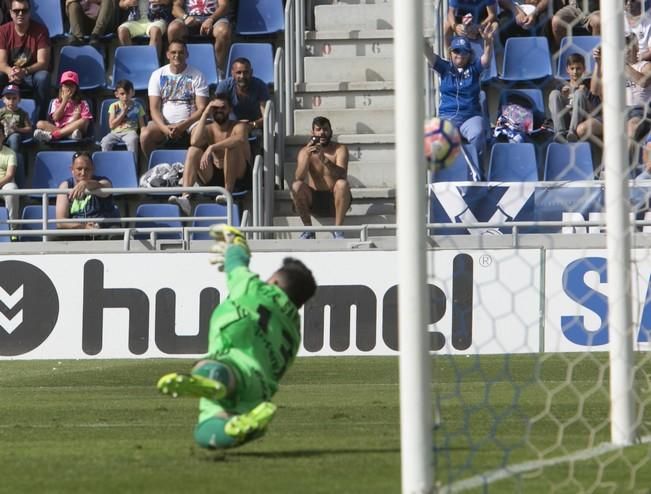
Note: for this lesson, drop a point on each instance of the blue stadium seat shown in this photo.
(136, 63)
(259, 54)
(102, 120)
(155, 211)
(459, 170)
(211, 209)
(51, 168)
(513, 163)
(170, 156)
(49, 13)
(260, 17)
(118, 166)
(577, 44)
(490, 72)
(87, 62)
(535, 95)
(568, 162)
(526, 59)
(203, 55)
(35, 212)
(4, 226)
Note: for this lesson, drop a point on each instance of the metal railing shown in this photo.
(269, 163)
(279, 98)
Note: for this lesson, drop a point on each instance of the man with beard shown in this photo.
(248, 94)
(320, 181)
(219, 153)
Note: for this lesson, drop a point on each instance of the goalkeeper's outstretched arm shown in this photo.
(231, 251)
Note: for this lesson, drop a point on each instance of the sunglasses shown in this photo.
(79, 154)
(20, 11)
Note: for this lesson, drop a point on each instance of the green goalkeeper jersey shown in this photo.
(257, 328)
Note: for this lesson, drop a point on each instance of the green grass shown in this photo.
(101, 427)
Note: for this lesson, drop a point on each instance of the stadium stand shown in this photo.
(4, 226)
(35, 212)
(50, 14)
(156, 212)
(212, 210)
(526, 60)
(259, 54)
(577, 44)
(135, 63)
(170, 156)
(512, 162)
(118, 166)
(460, 170)
(85, 61)
(260, 17)
(51, 168)
(568, 162)
(202, 55)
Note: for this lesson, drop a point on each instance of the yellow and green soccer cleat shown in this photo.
(177, 385)
(251, 424)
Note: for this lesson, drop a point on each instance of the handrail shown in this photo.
(269, 162)
(290, 64)
(257, 190)
(280, 96)
(300, 40)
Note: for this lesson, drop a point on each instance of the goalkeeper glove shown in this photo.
(225, 236)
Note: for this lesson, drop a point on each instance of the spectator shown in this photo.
(219, 153)
(8, 166)
(94, 17)
(178, 94)
(638, 21)
(16, 125)
(211, 18)
(125, 118)
(80, 202)
(570, 18)
(460, 87)
(25, 54)
(70, 115)
(320, 181)
(523, 18)
(145, 18)
(571, 103)
(467, 18)
(248, 94)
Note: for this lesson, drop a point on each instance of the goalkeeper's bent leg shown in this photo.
(210, 434)
(217, 371)
(220, 432)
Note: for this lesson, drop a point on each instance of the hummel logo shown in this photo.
(9, 324)
(29, 307)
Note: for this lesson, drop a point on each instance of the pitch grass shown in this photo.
(101, 427)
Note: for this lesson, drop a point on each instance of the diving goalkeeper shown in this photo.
(254, 337)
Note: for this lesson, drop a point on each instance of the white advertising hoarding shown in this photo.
(137, 305)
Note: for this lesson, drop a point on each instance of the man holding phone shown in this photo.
(320, 181)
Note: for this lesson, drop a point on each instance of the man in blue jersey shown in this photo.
(254, 337)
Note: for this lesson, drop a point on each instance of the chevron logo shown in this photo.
(29, 307)
(10, 300)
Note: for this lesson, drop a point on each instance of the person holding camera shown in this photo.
(219, 153)
(321, 178)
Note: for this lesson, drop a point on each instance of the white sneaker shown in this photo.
(41, 135)
(182, 202)
(77, 135)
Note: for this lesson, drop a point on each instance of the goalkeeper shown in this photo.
(254, 337)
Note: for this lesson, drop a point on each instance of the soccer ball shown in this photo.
(442, 143)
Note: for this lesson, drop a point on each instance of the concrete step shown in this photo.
(374, 43)
(345, 99)
(360, 174)
(366, 148)
(353, 2)
(365, 201)
(349, 121)
(295, 221)
(330, 69)
(363, 16)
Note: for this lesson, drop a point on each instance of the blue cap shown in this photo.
(461, 44)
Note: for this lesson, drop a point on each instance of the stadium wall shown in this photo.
(142, 305)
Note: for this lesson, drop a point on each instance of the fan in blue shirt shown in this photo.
(460, 87)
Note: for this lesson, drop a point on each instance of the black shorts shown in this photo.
(241, 184)
(323, 202)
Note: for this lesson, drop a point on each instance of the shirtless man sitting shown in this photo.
(219, 153)
(320, 181)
